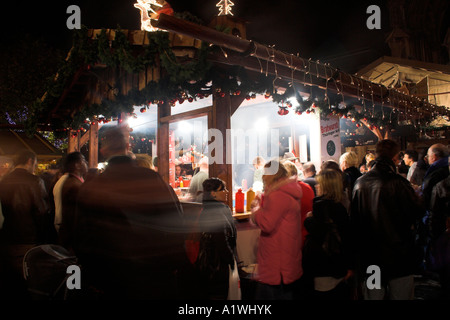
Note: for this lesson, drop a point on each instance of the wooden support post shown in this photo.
(221, 120)
(93, 145)
(73, 144)
(163, 141)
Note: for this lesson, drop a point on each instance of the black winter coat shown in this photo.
(25, 206)
(440, 208)
(324, 254)
(129, 233)
(216, 220)
(383, 218)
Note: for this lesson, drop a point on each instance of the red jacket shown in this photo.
(307, 205)
(280, 244)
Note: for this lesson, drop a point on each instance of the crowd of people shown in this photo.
(323, 231)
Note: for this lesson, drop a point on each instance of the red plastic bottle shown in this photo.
(239, 201)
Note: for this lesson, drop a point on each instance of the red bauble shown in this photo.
(283, 111)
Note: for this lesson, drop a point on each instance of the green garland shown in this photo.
(190, 81)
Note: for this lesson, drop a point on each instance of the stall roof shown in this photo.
(390, 71)
(12, 141)
(86, 87)
(376, 69)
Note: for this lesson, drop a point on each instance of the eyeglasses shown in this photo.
(223, 190)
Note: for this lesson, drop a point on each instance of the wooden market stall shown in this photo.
(128, 70)
(13, 140)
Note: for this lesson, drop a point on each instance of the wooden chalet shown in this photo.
(94, 83)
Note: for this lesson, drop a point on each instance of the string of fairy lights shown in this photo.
(375, 105)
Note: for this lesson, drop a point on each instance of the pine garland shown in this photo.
(190, 81)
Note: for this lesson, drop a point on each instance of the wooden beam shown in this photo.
(294, 63)
(73, 142)
(308, 79)
(93, 145)
(186, 115)
(162, 141)
(84, 138)
(221, 120)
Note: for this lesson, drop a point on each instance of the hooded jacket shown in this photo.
(383, 217)
(280, 243)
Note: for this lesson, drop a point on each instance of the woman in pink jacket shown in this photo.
(277, 214)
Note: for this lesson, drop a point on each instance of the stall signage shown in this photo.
(330, 138)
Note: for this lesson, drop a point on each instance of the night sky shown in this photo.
(333, 32)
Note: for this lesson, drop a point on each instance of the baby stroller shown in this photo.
(45, 271)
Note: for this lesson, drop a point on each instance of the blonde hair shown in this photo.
(331, 184)
(259, 161)
(144, 161)
(370, 157)
(291, 168)
(350, 158)
(281, 171)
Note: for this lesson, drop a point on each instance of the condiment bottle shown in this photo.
(239, 201)
(250, 198)
(181, 182)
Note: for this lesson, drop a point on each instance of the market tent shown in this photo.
(12, 141)
(423, 79)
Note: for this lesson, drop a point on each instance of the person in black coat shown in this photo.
(327, 260)
(218, 240)
(438, 170)
(440, 253)
(27, 222)
(349, 165)
(384, 212)
(433, 223)
(129, 233)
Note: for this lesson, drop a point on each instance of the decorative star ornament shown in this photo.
(145, 6)
(225, 7)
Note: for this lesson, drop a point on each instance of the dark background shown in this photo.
(329, 31)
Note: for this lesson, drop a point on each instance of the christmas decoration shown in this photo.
(189, 81)
(145, 6)
(225, 7)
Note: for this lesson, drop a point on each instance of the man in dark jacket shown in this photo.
(27, 223)
(129, 235)
(437, 156)
(434, 220)
(383, 215)
(65, 194)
